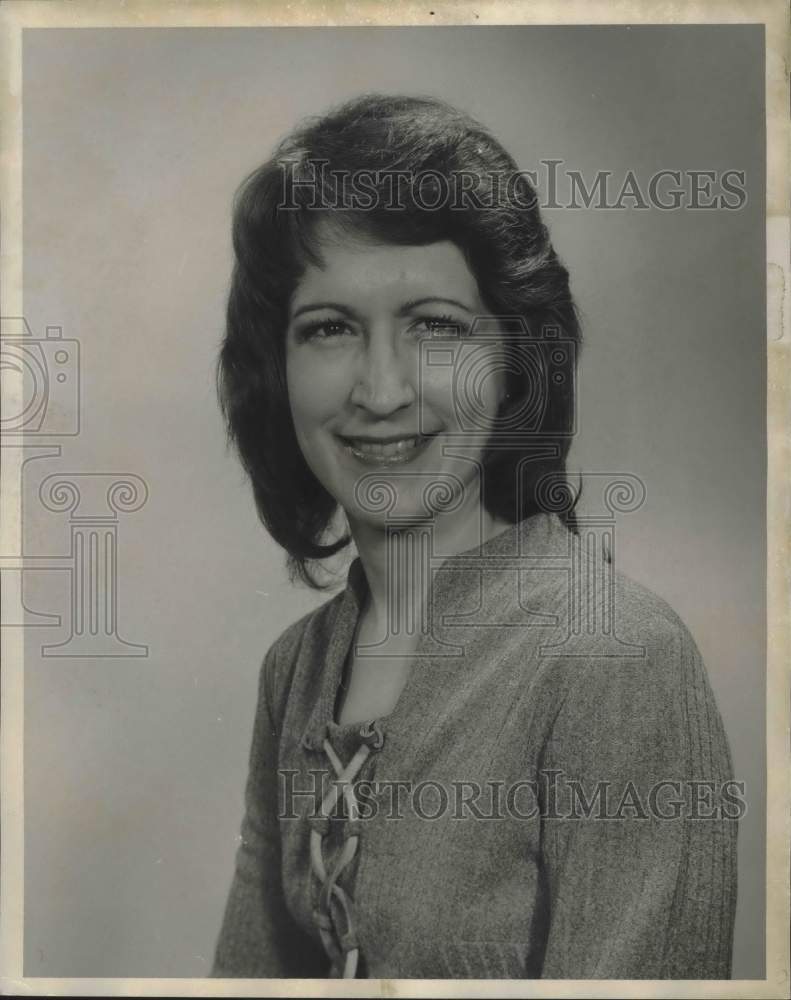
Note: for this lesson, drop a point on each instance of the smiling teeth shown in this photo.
(385, 449)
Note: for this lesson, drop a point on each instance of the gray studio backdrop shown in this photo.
(134, 140)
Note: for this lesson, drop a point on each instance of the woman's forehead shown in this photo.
(367, 269)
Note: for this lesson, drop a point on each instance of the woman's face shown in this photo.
(376, 398)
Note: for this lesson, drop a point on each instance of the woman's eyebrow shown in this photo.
(415, 303)
(311, 306)
(407, 307)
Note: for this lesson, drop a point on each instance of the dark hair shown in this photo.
(504, 241)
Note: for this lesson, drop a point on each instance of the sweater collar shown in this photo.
(454, 578)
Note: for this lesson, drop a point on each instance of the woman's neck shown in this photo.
(397, 568)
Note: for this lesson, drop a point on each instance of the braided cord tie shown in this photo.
(342, 946)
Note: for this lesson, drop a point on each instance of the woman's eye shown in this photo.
(439, 326)
(326, 330)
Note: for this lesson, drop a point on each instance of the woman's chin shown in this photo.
(383, 501)
(405, 513)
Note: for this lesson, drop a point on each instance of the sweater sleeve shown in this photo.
(638, 836)
(258, 937)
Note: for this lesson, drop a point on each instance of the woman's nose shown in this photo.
(383, 380)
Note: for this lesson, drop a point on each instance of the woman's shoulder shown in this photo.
(316, 623)
(644, 616)
(636, 639)
(602, 599)
(643, 690)
(312, 631)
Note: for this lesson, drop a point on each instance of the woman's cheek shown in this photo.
(436, 399)
(315, 392)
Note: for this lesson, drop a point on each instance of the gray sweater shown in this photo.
(550, 797)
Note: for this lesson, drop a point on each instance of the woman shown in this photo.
(480, 759)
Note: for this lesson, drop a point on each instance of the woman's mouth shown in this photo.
(393, 451)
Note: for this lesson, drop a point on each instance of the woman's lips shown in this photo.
(386, 453)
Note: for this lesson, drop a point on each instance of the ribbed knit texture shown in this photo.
(626, 701)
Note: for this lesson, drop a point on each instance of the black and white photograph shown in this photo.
(395, 500)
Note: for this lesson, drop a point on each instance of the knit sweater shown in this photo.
(550, 798)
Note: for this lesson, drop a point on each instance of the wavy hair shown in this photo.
(505, 243)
